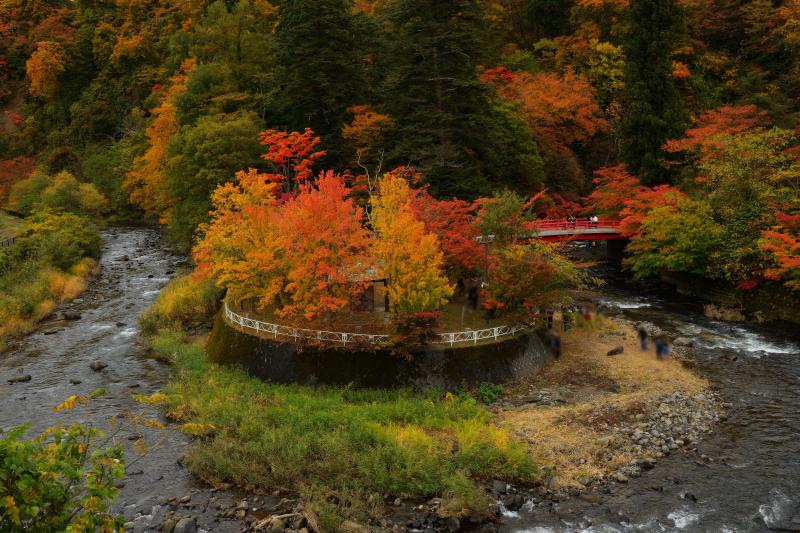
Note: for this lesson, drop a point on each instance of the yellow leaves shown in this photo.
(411, 259)
(141, 447)
(153, 423)
(70, 403)
(153, 399)
(197, 429)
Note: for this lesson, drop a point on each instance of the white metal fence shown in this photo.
(337, 337)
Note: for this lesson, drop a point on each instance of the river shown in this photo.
(135, 266)
(751, 483)
(751, 479)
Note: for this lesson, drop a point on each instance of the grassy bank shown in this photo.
(344, 451)
(45, 268)
(341, 449)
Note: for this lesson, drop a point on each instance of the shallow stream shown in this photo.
(751, 481)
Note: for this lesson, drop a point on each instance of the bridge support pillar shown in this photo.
(615, 250)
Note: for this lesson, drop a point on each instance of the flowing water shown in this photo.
(135, 266)
(752, 480)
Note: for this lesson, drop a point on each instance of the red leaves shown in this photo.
(711, 127)
(13, 170)
(782, 242)
(293, 153)
(619, 194)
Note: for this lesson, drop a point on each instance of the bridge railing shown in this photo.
(342, 338)
(578, 224)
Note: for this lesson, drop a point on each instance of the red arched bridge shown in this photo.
(582, 229)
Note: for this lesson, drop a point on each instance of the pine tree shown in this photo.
(654, 110)
(450, 124)
(321, 69)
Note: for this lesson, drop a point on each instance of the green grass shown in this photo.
(341, 449)
(184, 303)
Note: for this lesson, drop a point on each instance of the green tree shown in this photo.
(654, 110)
(449, 124)
(681, 236)
(320, 67)
(204, 156)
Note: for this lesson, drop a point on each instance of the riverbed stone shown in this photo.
(98, 365)
(24, 378)
(186, 525)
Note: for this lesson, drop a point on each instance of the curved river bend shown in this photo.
(752, 481)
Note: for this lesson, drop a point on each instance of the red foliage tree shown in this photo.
(294, 154)
(710, 127)
(782, 242)
(453, 222)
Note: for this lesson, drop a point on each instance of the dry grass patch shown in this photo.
(577, 438)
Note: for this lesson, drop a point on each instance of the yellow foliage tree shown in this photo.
(44, 67)
(410, 258)
(147, 181)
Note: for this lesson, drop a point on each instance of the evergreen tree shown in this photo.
(321, 68)
(446, 117)
(654, 110)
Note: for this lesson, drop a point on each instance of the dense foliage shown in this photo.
(158, 103)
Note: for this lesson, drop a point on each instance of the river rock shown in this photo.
(97, 366)
(499, 486)
(74, 381)
(616, 351)
(21, 379)
(683, 342)
(70, 315)
(186, 525)
(453, 524)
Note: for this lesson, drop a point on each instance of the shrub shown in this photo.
(490, 392)
(61, 192)
(184, 303)
(60, 480)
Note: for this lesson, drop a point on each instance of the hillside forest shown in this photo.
(679, 117)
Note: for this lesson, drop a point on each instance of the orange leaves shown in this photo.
(560, 110)
(325, 248)
(711, 126)
(306, 256)
(147, 181)
(367, 132)
(619, 194)
(44, 67)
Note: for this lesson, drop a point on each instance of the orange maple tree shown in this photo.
(44, 67)
(305, 257)
(620, 195)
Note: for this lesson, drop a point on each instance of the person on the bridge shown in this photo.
(549, 312)
(566, 318)
(643, 338)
